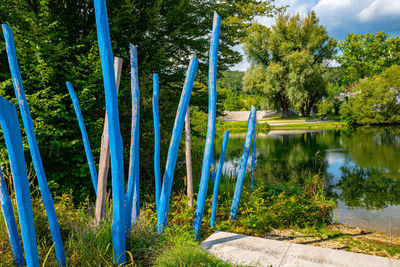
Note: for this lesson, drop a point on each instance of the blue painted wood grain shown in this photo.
(157, 139)
(12, 135)
(11, 225)
(114, 132)
(162, 212)
(85, 138)
(218, 178)
(253, 158)
(212, 111)
(132, 194)
(243, 163)
(33, 146)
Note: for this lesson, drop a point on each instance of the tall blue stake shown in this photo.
(253, 159)
(212, 111)
(157, 139)
(162, 212)
(132, 194)
(12, 135)
(117, 161)
(85, 138)
(33, 146)
(243, 162)
(218, 178)
(8, 214)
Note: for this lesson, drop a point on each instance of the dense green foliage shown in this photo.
(287, 62)
(231, 96)
(232, 80)
(374, 100)
(56, 41)
(365, 55)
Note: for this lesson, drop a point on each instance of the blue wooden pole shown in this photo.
(162, 212)
(117, 161)
(12, 135)
(212, 165)
(212, 111)
(132, 194)
(243, 163)
(11, 225)
(85, 138)
(218, 178)
(253, 159)
(157, 139)
(33, 146)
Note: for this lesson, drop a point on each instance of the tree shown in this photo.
(374, 100)
(56, 42)
(288, 62)
(365, 55)
(232, 80)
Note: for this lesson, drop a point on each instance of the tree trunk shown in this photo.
(303, 113)
(188, 144)
(308, 110)
(285, 108)
(309, 106)
(104, 163)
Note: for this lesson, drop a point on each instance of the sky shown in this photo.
(341, 17)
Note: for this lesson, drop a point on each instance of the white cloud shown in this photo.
(338, 15)
(334, 4)
(380, 9)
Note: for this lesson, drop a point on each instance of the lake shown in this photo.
(362, 166)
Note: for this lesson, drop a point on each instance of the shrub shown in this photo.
(374, 100)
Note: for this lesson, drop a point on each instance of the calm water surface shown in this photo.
(362, 166)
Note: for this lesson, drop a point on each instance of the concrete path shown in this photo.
(255, 251)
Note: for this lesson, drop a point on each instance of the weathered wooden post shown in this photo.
(12, 135)
(85, 138)
(212, 110)
(104, 163)
(157, 140)
(243, 163)
(188, 154)
(218, 178)
(162, 212)
(253, 159)
(114, 133)
(132, 194)
(33, 146)
(11, 225)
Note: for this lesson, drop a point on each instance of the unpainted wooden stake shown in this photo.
(188, 146)
(104, 163)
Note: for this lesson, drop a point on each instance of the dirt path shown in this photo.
(291, 122)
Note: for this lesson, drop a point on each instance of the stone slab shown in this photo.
(255, 251)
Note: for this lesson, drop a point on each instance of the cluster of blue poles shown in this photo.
(126, 205)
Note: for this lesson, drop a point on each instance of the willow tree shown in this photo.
(288, 62)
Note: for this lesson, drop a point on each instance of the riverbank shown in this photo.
(281, 125)
(342, 237)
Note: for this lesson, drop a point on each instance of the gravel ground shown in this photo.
(343, 237)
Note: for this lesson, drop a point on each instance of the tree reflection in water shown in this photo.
(369, 177)
(369, 188)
